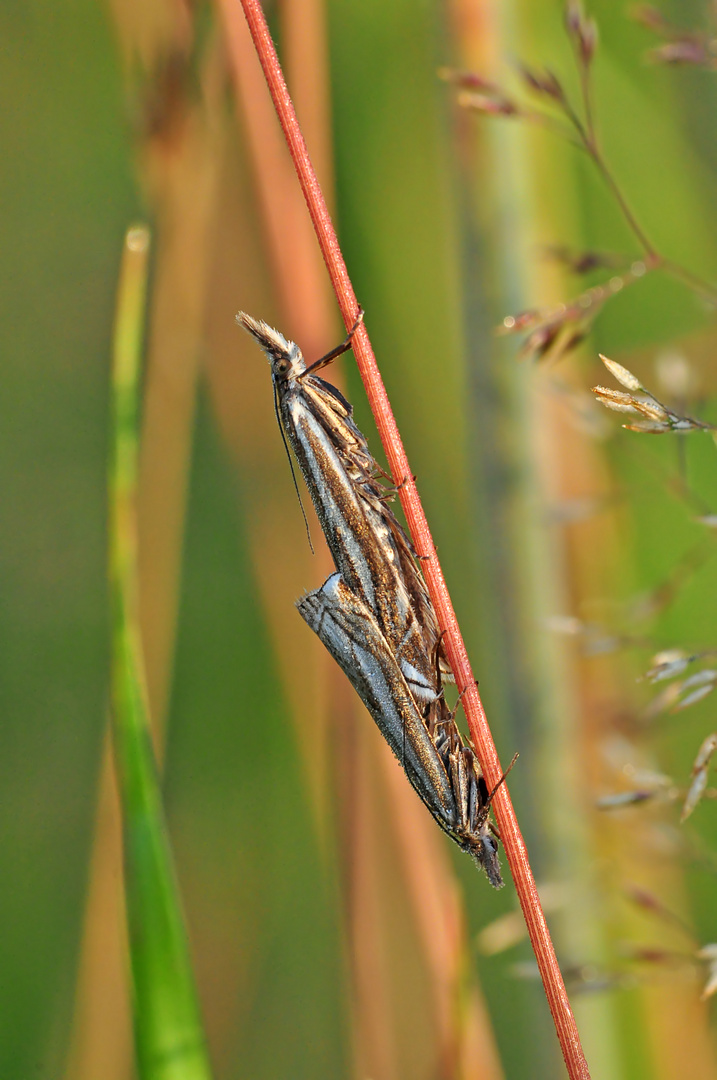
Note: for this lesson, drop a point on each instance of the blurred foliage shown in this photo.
(444, 218)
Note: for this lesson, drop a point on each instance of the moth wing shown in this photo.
(350, 632)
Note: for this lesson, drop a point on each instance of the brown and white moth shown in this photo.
(368, 545)
(442, 769)
(375, 615)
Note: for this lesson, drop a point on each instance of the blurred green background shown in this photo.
(328, 939)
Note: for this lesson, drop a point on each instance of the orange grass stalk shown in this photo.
(513, 842)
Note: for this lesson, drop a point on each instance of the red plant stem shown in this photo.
(511, 836)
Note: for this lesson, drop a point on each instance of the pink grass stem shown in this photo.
(515, 849)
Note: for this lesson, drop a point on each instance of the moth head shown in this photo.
(284, 356)
(484, 849)
(483, 844)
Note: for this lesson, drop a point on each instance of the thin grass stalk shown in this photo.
(101, 1034)
(377, 1050)
(513, 842)
(294, 258)
(551, 464)
(169, 1036)
(306, 58)
(184, 199)
(462, 1020)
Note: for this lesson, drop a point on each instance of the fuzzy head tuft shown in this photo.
(284, 356)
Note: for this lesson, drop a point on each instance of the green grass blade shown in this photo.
(168, 1031)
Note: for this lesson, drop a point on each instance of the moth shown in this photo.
(375, 616)
(442, 769)
(368, 545)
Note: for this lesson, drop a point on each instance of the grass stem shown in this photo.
(168, 1031)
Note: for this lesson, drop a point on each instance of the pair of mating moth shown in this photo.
(374, 614)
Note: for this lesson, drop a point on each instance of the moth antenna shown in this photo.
(403, 746)
(291, 466)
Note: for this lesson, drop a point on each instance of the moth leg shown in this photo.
(338, 351)
(405, 480)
